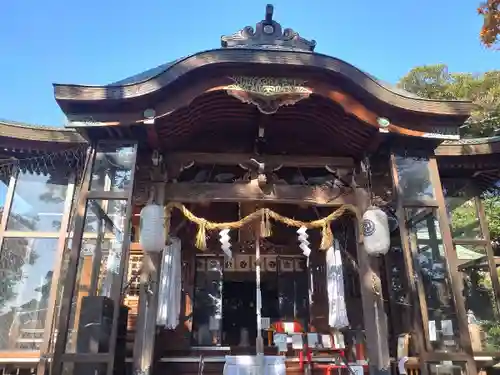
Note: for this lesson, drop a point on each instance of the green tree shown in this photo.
(436, 82)
(491, 202)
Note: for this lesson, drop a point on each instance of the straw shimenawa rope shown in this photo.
(264, 214)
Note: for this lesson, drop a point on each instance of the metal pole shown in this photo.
(148, 304)
(259, 342)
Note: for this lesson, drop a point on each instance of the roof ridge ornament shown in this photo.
(267, 34)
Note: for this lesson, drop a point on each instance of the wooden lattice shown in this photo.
(133, 275)
(132, 294)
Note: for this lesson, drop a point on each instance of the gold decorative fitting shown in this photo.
(268, 94)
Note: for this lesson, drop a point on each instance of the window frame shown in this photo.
(60, 236)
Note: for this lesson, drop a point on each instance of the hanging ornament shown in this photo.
(265, 224)
(225, 242)
(304, 243)
(337, 310)
(376, 235)
(170, 285)
(152, 228)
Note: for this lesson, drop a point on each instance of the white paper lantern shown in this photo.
(152, 228)
(377, 238)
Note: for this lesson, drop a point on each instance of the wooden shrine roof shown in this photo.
(12, 130)
(195, 107)
(470, 146)
(165, 79)
(20, 140)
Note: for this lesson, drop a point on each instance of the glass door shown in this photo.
(207, 309)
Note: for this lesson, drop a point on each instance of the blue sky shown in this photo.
(98, 42)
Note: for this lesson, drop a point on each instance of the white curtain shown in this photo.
(169, 293)
(337, 312)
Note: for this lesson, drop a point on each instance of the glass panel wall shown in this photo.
(38, 202)
(427, 241)
(473, 264)
(90, 309)
(414, 177)
(113, 167)
(28, 256)
(428, 251)
(462, 210)
(398, 301)
(98, 270)
(207, 309)
(26, 268)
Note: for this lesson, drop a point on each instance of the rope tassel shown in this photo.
(201, 236)
(265, 224)
(265, 215)
(326, 237)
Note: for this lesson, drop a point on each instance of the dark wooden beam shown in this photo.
(375, 142)
(251, 192)
(152, 136)
(235, 159)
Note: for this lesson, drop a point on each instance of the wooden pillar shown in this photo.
(9, 197)
(483, 221)
(375, 318)
(69, 282)
(145, 328)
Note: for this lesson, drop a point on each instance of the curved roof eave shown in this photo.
(161, 78)
(25, 132)
(469, 147)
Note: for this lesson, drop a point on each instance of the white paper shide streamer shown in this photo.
(303, 242)
(152, 229)
(304, 245)
(225, 243)
(337, 312)
(377, 237)
(169, 293)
